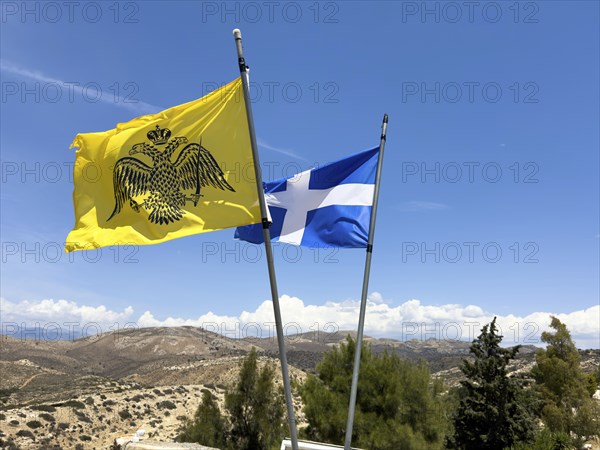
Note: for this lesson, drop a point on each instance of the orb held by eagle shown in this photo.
(164, 180)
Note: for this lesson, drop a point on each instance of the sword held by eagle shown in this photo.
(164, 180)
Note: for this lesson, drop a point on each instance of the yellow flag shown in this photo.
(186, 170)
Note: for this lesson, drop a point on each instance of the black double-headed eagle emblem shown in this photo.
(164, 181)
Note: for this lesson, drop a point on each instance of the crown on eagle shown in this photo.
(159, 136)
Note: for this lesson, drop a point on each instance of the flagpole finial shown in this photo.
(237, 35)
(385, 118)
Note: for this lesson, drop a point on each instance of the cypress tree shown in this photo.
(489, 416)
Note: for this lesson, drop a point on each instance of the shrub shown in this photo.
(74, 404)
(46, 408)
(7, 392)
(34, 424)
(167, 404)
(9, 444)
(124, 414)
(25, 433)
(82, 417)
(47, 417)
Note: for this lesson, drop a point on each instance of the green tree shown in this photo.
(254, 418)
(489, 414)
(398, 406)
(546, 440)
(208, 426)
(256, 408)
(564, 388)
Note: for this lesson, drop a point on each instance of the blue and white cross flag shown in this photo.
(328, 206)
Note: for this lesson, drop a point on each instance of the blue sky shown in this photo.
(492, 146)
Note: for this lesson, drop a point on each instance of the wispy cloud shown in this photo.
(416, 205)
(283, 151)
(409, 320)
(136, 106)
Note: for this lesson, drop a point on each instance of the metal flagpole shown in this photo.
(365, 288)
(237, 34)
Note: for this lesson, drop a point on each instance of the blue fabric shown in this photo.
(331, 226)
(359, 168)
(337, 226)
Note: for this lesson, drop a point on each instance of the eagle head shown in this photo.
(141, 148)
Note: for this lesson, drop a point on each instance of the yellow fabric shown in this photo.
(217, 121)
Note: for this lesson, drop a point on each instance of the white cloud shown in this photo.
(376, 297)
(51, 310)
(59, 319)
(409, 320)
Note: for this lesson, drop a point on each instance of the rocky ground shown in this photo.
(86, 393)
(105, 410)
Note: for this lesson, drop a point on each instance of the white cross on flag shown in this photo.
(329, 206)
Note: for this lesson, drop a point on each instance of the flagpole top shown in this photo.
(237, 33)
(385, 118)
